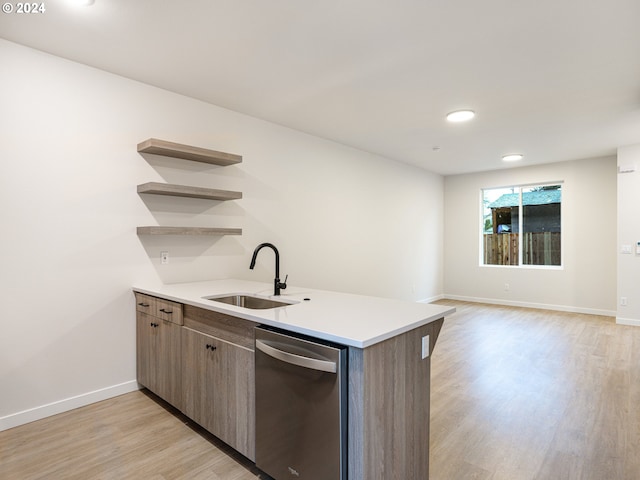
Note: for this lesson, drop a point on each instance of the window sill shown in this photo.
(525, 267)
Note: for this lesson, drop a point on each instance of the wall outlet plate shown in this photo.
(425, 346)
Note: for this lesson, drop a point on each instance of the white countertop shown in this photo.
(353, 320)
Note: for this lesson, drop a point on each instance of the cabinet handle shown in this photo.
(211, 347)
(169, 312)
(142, 304)
(153, 324)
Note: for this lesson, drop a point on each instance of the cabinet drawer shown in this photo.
(145, 304)
(160, 308)
(169, 311)
(230, 329)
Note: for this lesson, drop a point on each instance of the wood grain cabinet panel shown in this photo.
(206, 368)
(218, 388)
(389, 390)
(225, 327)
(145, 304)
(158, 352)
(160, 308)
(169, 311)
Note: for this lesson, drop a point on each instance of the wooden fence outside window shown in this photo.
(538, 248)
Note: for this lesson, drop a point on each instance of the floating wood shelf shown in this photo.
(188, 191)
(197, 154)
(159, 230)
(187, 152)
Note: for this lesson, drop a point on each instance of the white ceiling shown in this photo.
(553, 79)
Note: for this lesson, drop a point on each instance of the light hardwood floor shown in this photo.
(523, 394)
(131, 437)
(516, 394)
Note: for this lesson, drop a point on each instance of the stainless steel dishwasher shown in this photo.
(301, 407)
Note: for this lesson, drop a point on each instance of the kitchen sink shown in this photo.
(248, 301)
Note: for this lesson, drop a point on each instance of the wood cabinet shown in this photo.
(218, 388)
(158, 353)
(201, 362)
(389, 394)
(158, 346)
(218, 373)
(160, 308)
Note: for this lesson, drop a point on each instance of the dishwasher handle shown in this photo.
(299, 360)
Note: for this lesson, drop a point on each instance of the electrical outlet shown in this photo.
(425, 346)
(164, 258)
(623, 301)
(506, 287)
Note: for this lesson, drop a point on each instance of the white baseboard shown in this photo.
(541, 306)
(37, 413)
(634, 322)
(431, 299)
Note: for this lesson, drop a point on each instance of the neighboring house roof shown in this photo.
(542, 197)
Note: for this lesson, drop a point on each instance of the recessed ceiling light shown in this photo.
(513, 157)
(461, 115)
(83, 3)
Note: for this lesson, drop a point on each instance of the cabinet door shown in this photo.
(145, 350)
(197, 377)
(158, 357)
(234, 412)
(168, 362)
(218, 388)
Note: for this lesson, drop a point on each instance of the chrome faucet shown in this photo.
(277, 284)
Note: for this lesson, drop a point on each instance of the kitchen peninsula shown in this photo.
(389, 345)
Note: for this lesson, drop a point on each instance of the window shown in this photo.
(532, 210)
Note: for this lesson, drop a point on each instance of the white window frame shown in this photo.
(520, 220)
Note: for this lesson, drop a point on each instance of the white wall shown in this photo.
(629, 234)
(343, 220)
(586, 283)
